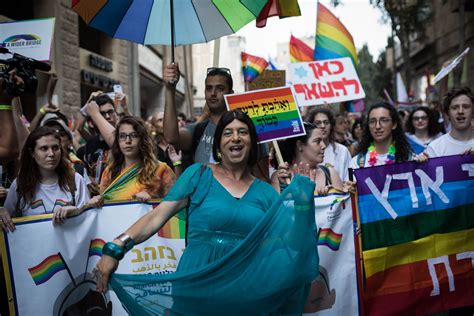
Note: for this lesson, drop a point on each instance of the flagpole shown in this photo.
(87, 263)
(67, 269)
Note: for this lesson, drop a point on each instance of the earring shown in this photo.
(219, 156)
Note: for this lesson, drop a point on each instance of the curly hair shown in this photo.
(453, 93)
(403, 148)
(433, 126)
(146, 147)
(29, 174)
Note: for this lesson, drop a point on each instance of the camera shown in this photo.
(25, 69)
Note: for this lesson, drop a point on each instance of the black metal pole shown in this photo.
(172, 30)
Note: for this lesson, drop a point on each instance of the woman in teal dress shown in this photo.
(249, 250)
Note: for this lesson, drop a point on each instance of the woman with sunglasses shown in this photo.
(422, 128)
(134, 173)
(383, 141)
(46, 183)
(335, 155)
(305, 155)
(248, 252)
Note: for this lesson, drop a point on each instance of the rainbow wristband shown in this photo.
(5, 107)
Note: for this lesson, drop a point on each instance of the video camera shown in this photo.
(25, 69)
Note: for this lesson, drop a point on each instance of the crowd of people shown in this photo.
(214, 167)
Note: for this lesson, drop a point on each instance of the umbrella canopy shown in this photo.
(150, 21)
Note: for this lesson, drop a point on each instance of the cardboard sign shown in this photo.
(269, 79)
(30, 38)
(331, 81)
(273, 111)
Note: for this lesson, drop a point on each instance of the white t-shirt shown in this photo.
(339, 158)
(48, 197)
(446, 145)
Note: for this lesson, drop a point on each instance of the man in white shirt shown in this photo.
(458, 105)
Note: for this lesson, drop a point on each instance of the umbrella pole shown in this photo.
(172, 30)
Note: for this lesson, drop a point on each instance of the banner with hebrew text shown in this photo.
(417, 236)
(325, 81)
(334, 291)
(48, 267)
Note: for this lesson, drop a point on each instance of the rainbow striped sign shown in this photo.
(273, 111)
(417, 241)
(46, 269)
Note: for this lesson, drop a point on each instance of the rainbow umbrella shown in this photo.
(165, 22)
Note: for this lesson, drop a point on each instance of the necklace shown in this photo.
(373, 155)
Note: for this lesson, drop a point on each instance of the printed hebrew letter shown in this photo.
(153, 253)
(314, 68)
(139, 255)
(300, 88)
(339, 66)
(323, 67)
(339, 85)
(411, 184)
(352, 82)
(160, 250)
(466, 255)
(171, 255)
(311, 92)
(325, 90)
(382, 197)
(434, 278)
(275, 120)
(469, 167)
(264, 106)
(427, 183)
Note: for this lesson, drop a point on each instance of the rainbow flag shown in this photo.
(417, 236)
(332, 38)
(124, 185)
(47, 268)
(175, 228)
(268, 8)
(252, 66)
(330, 239)
(37, 203)
(96, 246)
(61, 202)
(299, 51)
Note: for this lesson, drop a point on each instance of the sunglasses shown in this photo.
(218, 70)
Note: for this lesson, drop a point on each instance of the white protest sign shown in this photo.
(48, 267)
(447, 69)
(31, 38)
(331, 81)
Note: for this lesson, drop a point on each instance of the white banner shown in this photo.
(31, 38)
(330, 81)
(334, 292)
(48, 267)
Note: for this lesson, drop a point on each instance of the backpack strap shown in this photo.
(327, 174)
(198, 132)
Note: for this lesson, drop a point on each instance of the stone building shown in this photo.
(441, 44)
(86, 60)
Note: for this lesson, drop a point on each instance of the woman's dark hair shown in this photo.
(146, 147)
(357, 122)
(403, 149)
(29, 174)
(225, 120)
(288, 146)
(318, 110)
(453, 93)
(433, 126)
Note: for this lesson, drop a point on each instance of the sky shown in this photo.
(361, 19)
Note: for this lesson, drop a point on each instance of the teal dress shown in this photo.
(254, 255)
